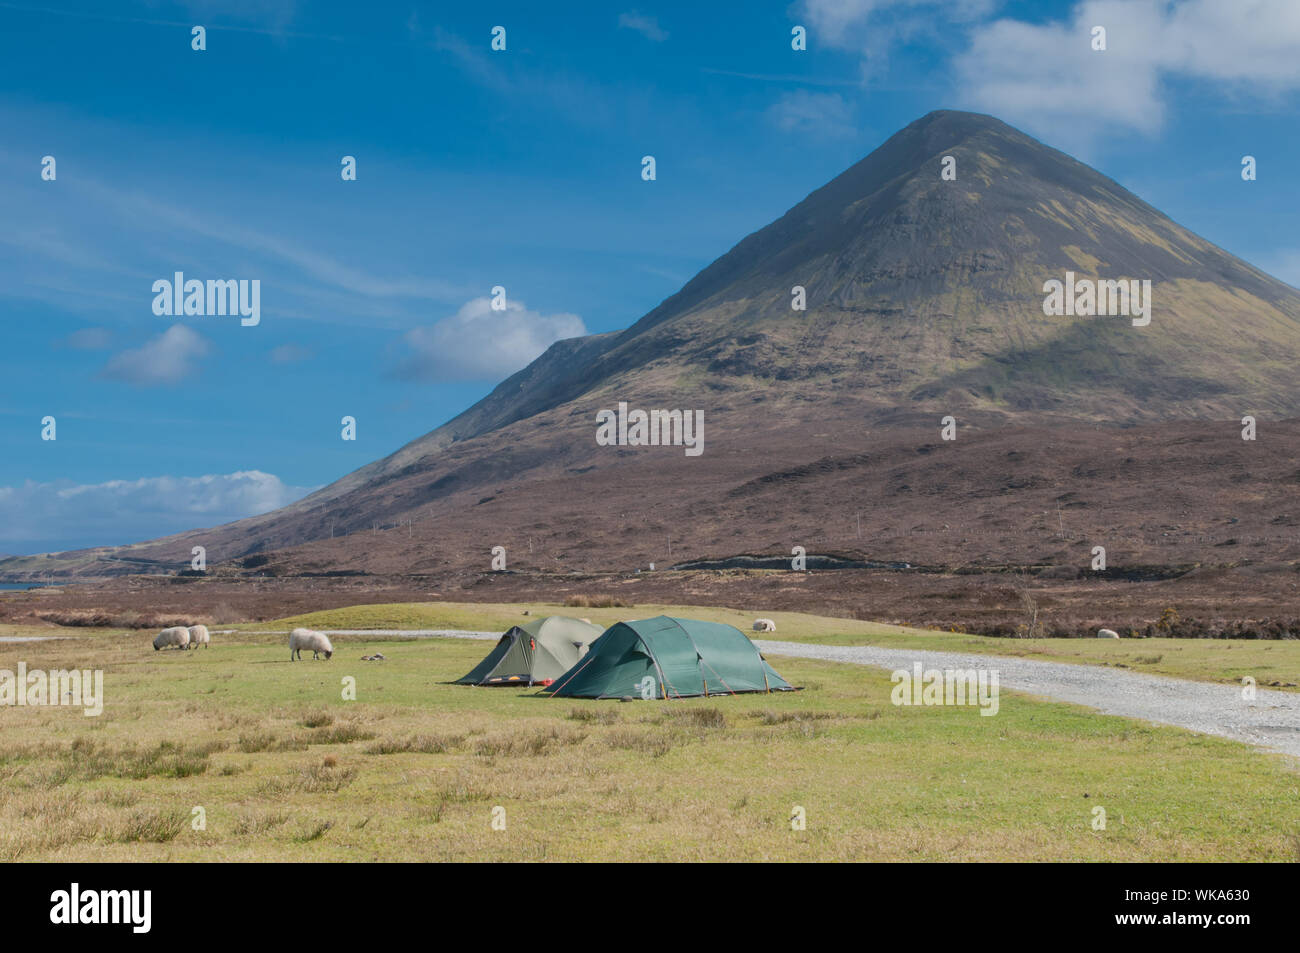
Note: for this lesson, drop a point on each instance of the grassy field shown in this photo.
(285, 769)
(1270, 663)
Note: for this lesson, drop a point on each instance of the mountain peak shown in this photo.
(893, 227)
(959, 121)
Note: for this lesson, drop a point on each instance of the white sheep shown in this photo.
(764, 625)
(199, 636)
(315, 642)
(1107, 634)
(177, 635)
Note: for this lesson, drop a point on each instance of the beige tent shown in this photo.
(535, 653)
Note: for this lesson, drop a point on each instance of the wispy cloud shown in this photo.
(271, 16)
(48, 242)
(266, 17)
(57, 261)
(289, 354)
(477, 343)
(804, 113)
(573, 98)
(472, 60)
(647, 26)
(781, 77)
(88, 339)
(325, 268)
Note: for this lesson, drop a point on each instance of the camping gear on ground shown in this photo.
(669, 658)
(534, 653)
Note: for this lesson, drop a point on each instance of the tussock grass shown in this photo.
(313, 831)
(770, 717)
(340, 734)
(327, 734)
(268, 741)
(152, 825)
(309, 779)
(86, 759)
(116, 797)
(656, 744)
(317, 718)
(693, 717)
(420, 744)
(259, 823)
(527, 741)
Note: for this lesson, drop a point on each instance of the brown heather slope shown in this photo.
(822, 427)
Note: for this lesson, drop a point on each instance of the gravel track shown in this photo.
(1271, 721)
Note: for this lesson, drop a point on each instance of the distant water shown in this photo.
(24, 585)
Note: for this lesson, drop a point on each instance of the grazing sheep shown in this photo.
(199, 636)
(764, 625)
(315, 642)
(1107, 634)
(177, 635)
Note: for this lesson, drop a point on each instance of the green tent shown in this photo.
(669, 658)
(534, 653)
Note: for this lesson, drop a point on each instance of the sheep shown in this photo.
(1107, 634)
(764, 625)
(316, 642)
(199, 636)
(177, 635)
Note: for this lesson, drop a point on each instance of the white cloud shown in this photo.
(808, 113)
(646, 26)
(477, 343)
(38, 517)
(167, 359)
(1048, 78)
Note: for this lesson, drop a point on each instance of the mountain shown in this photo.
(924, 299)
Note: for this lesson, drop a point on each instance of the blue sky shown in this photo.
(477, 168)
